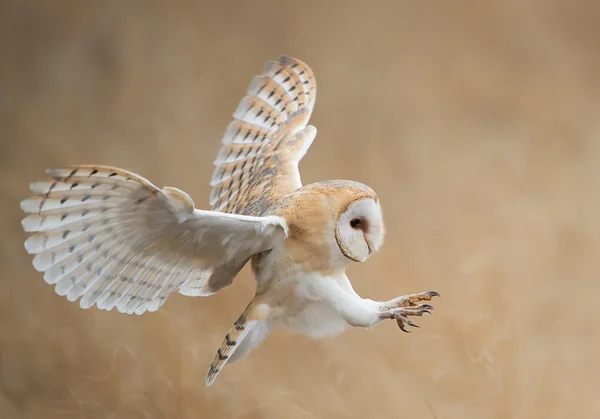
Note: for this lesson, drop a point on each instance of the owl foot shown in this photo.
(403, 307)
(402, 315)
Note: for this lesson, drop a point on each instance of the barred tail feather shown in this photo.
(232, 341)
(249, 319)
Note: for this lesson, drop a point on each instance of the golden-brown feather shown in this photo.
(258, 163)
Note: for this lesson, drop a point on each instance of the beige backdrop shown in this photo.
(478, 125)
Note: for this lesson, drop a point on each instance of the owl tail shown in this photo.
(252, 318)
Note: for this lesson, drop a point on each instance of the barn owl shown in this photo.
(115, 240)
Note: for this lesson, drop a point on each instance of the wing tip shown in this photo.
(72, 297)
(288, 59)
(139, 311)
(28, 224)
(40, 265)
(30, 245)
(29, 206)
(39, 187)
(85, 303)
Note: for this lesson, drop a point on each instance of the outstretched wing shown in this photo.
(116, 240)
(258, 163)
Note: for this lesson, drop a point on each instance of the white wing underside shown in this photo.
(114, 239)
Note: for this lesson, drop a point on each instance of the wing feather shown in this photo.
(113, 239)
(258, 162)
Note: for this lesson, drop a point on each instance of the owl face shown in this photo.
(359, 231)
(332, 224)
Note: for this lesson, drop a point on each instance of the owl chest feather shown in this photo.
(312, 314)
(300, 298)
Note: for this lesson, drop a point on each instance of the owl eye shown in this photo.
(355, 223)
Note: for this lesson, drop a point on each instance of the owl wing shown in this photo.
(116, 240)
(258, 162)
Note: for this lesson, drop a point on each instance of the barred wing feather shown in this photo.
(258, 162)
(114, 239)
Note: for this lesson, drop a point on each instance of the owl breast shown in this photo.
(316, 320)
(308, 312)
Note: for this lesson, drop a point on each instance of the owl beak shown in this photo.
(368, 244)
(369, 247)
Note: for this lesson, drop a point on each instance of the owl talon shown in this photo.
(401, 315)
(408, 322)
(401, 326)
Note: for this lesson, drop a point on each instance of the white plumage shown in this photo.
(116, 240)
(112, 239)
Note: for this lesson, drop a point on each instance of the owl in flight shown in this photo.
(116, 240)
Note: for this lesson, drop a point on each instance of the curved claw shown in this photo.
(408, 322)
(433, 294)
(401, 325)
(425, 311)
(426, 307)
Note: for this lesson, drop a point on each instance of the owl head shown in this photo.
(334, 223)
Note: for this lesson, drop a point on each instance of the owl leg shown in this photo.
(361, 312)
(355, 310)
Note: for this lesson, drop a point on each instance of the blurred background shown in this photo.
(477, 123)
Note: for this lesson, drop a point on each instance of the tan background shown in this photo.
(478, 125)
